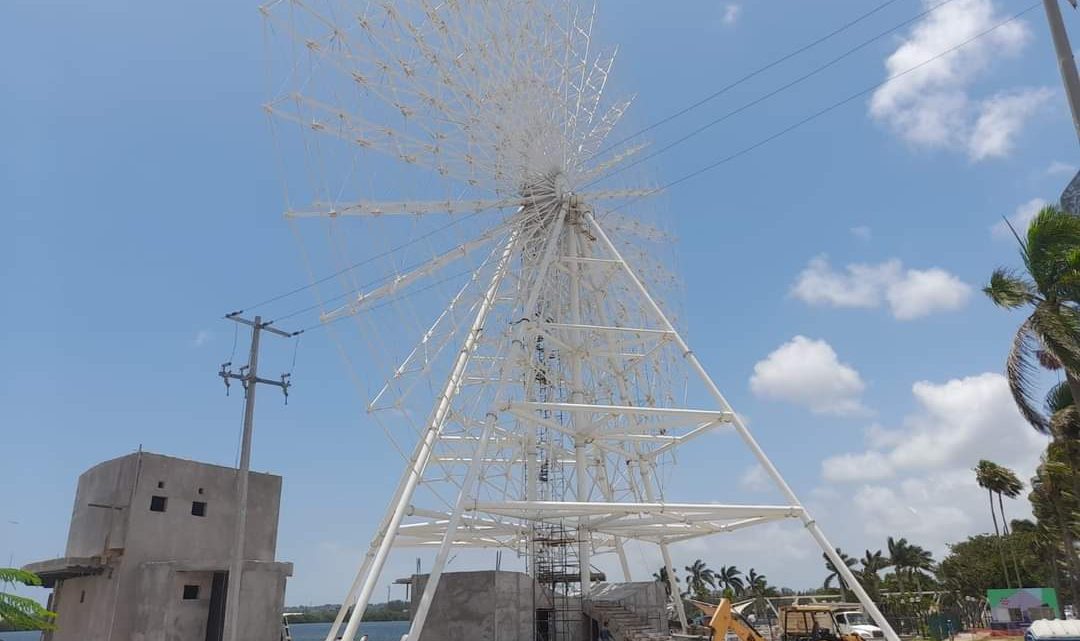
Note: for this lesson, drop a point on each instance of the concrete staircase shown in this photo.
(623, 624)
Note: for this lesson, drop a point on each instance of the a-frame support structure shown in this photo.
(560, 368)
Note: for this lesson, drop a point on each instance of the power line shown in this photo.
(752, 74)
(409, 294)
(822, 112)
(361, 263)
(774, 92)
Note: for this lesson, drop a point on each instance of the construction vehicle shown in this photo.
(723, 620)
(826, 622)
(809, 622)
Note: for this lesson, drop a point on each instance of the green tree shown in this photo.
(834, 574)
(872, 563)
(18, 611)
(1056, 507)
(729, 578)
(758, 588)
(661, 575)
(998, 480)
(700, 579)
(1050, 288)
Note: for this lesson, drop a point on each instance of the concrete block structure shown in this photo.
(512, 606)
(481, 606)
(148, 551)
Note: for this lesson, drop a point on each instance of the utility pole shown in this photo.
(1066, 62)
(249, 378)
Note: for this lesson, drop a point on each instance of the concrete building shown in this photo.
(510, 606)
(148, 552)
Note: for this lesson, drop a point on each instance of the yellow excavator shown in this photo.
(809, 622)
(723, 619)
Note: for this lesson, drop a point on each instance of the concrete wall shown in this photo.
(647, 599)
(481, 606)
(150, 556)
(84, 608)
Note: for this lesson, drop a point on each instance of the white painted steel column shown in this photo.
(415, 471)
(465, 492)
(808, 521)
(645, 469)
(531, 451)
(609, 496)
(577, 395)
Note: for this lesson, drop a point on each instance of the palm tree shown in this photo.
(1052, 502)
(921, 565)
(991, 477)
(698, 578)
(757, 586)
(20, 611)
(872, 563)
(728, 578)
(900, 559)
(662, 576)
(834, 574)
(1050, 335)
(1065, 428)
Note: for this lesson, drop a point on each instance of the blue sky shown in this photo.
(830, 278)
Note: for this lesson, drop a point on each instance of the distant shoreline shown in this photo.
(390, 611)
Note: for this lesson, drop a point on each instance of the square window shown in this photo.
(191, 592)
(158, 503)
(161, 485)
(198, 508)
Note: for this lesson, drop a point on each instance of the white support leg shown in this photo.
(767, 464)
(644, 468)
(583, 533)
(605, 488)
(577, 395)
(464, 495)
(415, 471)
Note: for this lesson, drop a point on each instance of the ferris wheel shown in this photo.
(532, 379)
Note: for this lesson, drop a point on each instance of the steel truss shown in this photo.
(558, 407)
(560, 281)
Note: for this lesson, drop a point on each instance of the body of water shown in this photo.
(376, 631)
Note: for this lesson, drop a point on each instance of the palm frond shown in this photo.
(1010, 290)
(1058, 328)
(1020, 370)
(1052, 236)
(1059, 398)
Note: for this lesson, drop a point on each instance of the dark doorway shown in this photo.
(215, 619)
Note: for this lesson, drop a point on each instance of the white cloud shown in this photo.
(931, 106)
(202, 337)
(916, 480)
(862, 232)
(922, 292)
(754, 479)
(860, 286)
(1058, 168)
(910, 294)
(1000, 120)
(1019, 219)
(807, 372)
(957, 423)
(866, 466)
(732, 10)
